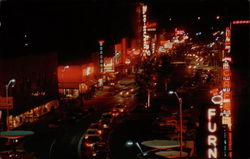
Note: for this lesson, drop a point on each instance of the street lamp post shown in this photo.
(131, 143)
(7, 102)
(65, 67)
(180, 107)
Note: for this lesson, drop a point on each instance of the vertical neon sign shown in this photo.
(145, 36)
(226, 105)
(212, 141)
(101, 55)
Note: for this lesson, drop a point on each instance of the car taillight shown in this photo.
(89, 145)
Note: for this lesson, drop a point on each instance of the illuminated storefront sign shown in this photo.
(145, 36)
(212, 140)
(109, 64)
(226, 106)
(101, 55)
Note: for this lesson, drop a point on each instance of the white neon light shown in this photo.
(211, 112)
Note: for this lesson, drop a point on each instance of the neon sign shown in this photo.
(217, 99)
(228, 40)
(101, 55)
(226, 105)
(145, 36)
(226, 85)
(241, 22)
(212, 142)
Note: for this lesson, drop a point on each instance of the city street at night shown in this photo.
(124, 79)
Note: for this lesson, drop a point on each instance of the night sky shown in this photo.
(73, 27)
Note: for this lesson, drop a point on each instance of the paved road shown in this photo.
(64, 130)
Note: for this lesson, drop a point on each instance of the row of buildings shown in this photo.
(40, 81)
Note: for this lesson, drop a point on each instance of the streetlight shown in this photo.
(63, 70)
(130, 143)
(180, 105)
(12, 81)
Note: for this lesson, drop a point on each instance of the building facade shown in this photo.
(35, 86)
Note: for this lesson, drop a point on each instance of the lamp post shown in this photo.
(180, 107)
(63, 70)
(12, 81)
(131, 143)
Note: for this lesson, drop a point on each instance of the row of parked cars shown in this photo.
(96, 135)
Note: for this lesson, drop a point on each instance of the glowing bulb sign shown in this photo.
(145, 36)
(226, 105)
(101, 55)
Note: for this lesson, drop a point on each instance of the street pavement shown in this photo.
(64, 127)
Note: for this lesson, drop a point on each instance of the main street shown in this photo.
(57, 135)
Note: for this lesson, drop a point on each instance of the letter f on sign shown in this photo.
(211, 112)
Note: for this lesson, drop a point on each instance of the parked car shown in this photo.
(115, 112)
(91, 132)
(96, 126)
(121, 107)
(106, 119)
(99, 151)
(91, 141)
(107, 116)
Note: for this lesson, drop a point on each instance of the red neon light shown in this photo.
(226, 84)
(227, 106)
(101, 41)
(214, 92)
(241, 22)
(226, 95)
(151, 25)
(226, 73)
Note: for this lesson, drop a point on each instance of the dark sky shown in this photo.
(73, 27)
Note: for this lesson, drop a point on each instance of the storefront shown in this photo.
(32, 115)
(88, 88)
